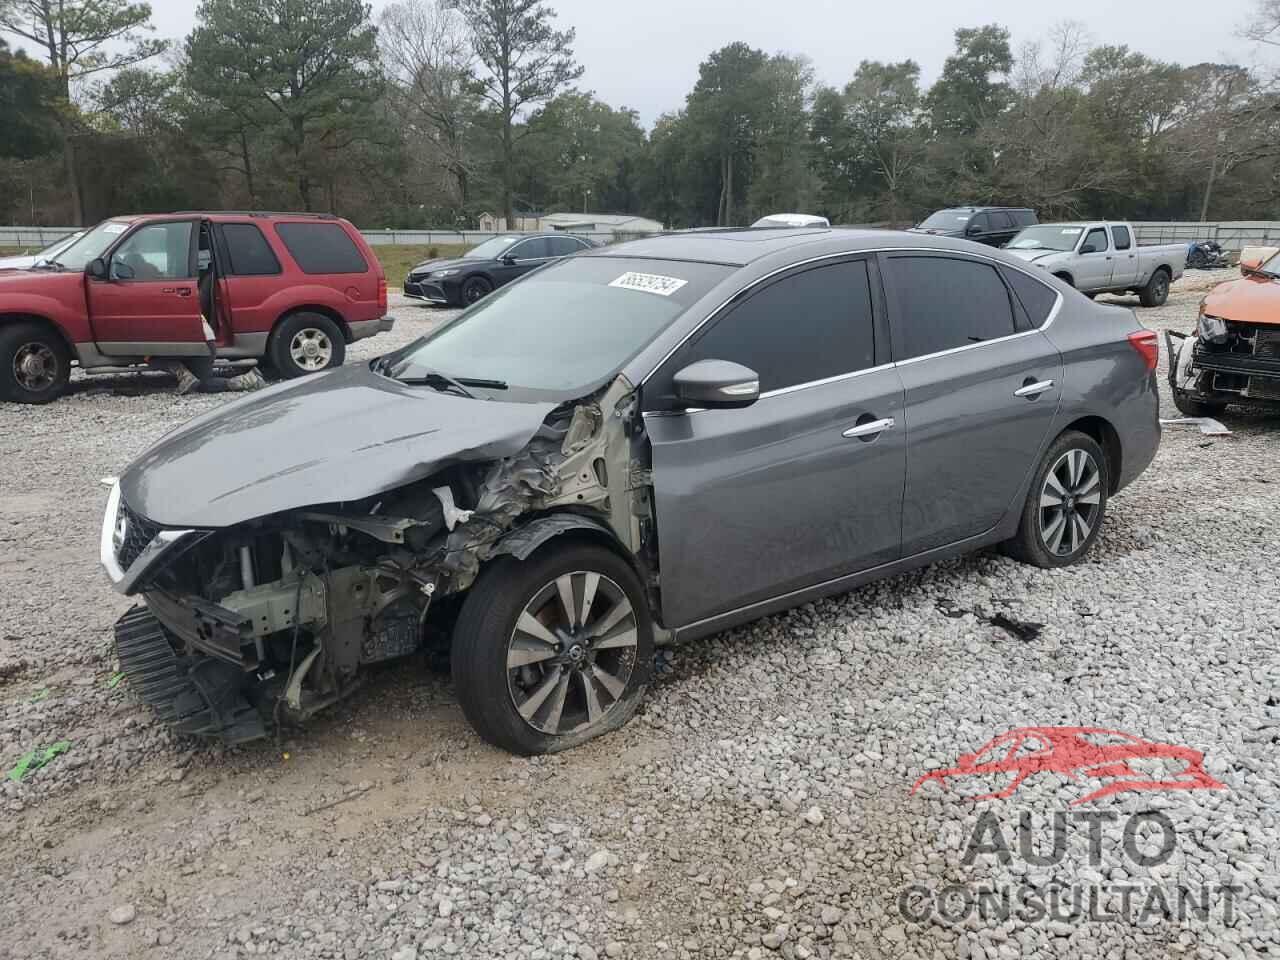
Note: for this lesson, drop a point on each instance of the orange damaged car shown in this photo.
(1234, 355)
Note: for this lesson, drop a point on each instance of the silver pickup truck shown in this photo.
(1102, 257)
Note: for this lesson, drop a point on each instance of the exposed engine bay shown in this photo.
(275, 618)
(1227, 362)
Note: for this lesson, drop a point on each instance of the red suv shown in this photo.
(289, 289)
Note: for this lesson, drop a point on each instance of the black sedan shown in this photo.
(482, 269)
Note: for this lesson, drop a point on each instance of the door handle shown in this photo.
(869, 430)
(1033, 390)
(183, 291)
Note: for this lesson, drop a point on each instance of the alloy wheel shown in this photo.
(474, 292)
(572, 653)
(35, 367)
(311, 349)
(1070, 501)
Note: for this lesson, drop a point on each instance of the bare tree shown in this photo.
(1265, 25)
(428, 58)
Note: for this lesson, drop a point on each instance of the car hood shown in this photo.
(443, 264)
(1247, 300)
(321, 439)
(17, 263)
(1031, 256)
(12, 277)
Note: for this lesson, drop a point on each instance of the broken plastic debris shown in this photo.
(1208, 426)
(40, 695)
(114, 680)
(37, 758)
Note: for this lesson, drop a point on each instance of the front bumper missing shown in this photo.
(200, 696)
(369, 328)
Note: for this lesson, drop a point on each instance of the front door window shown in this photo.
(158, 251)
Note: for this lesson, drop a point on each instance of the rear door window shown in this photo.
(943, 303)
(805, 327)
(1001, 221)
(248, 250)
(564, 246)
(320, 248)
(539, 248)
(1121, 237)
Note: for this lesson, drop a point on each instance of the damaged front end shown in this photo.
(277, 617)
(1226, 362)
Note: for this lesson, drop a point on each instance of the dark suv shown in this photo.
(994, 226)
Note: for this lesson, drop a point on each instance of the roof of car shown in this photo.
(982, 209)
(225, 215)
(740, 247)
(732, 247)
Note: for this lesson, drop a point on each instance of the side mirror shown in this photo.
(509, 260)
(717, 384)
(972, 230)
(1088, 248)
(1250, 266)
(97, 269)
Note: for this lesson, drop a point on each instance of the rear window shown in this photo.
(250, 254)
(1036, 298)
(321, 248)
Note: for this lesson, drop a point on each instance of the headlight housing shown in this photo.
(1211, 329)
(443, 273)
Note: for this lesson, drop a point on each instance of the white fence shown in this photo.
(1234, 235)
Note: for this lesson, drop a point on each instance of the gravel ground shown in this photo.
(760, 803)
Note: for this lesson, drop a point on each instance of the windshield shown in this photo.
(91, 246)
(947, 220)
(490, 249)
(1046, 237)
(1272, 266)
(564, 329)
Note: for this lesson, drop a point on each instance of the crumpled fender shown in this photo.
(523, 541)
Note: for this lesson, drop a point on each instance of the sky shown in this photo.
(645, 54)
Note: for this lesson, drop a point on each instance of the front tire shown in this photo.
(35, 364)
(1156, 292)
(552, 651)
(1066, 504)
(305, 343)
(477, 288)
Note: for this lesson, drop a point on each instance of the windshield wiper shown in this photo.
(53, 265)
(438, 381)
(482, 383)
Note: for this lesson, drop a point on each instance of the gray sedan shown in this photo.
(655, 440)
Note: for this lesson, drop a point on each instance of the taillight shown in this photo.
(382, 295)
(1147, 344)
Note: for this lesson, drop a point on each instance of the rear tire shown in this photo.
(1066, 504)
(35, 364)
(1188, 406)
(1156, 292)
(305, 343)
(530, 678)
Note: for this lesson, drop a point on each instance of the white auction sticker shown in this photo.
(115, 228)
(649, 283)
(1070, 230)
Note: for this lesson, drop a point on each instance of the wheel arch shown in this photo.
(9, 318)
(319, 308)
(1108, 438)
(1066, 277)
(522, 542)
